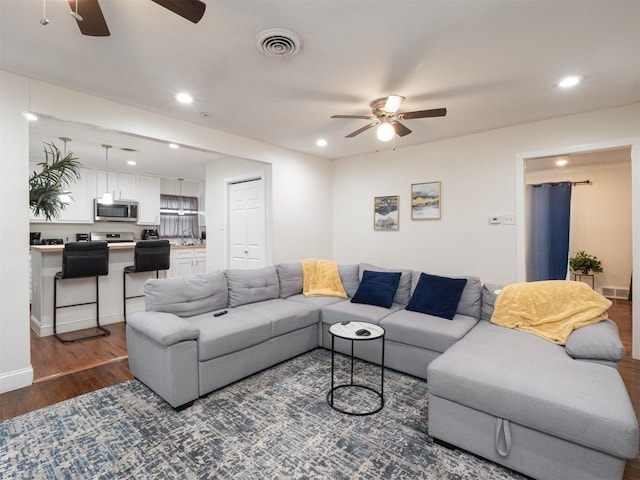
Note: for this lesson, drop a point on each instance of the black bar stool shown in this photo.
(81, 259)
(149, 255)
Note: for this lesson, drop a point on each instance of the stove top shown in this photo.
(52, 241)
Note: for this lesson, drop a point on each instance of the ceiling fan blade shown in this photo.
(93, 22)
(360, 130)
(192, 10)
(364, 117)
(400, 129)
(434, 112)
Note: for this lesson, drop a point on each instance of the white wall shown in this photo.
(601, 218)
(293, 233)
(482, 175)
(15, 361)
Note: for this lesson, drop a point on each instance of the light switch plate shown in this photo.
(509, 219)
(495, 220)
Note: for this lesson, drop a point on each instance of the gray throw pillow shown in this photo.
(598, 341)
(350, 276)
(251, 286)
(186, 296)
(490, 292)
(291, 279)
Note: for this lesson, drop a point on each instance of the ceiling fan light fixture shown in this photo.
(385, 131)
(393, 103)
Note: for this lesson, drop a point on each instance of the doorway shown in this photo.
(247, 240)
(633, 147)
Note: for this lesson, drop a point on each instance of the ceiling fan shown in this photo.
(386, 117)
(89, 16)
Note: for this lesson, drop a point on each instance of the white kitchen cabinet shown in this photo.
(188, 261)
(148, 200)
(83, 192)
(123, 186)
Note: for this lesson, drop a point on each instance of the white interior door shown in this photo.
(247, 224)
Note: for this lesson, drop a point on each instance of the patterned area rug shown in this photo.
(275, 424)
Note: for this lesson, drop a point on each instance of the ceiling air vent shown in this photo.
(277, 42)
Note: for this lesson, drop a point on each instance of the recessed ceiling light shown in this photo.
(568, 82)
(562, 162)
(131, 162)
(321, 142)
(32, 117)
(174, 145)
(184, 97)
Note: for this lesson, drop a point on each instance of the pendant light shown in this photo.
(65, 195)
(180, 209)
(107, 198)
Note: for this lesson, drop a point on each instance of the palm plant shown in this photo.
(47, 187)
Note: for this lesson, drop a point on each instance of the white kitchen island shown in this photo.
(46, 261)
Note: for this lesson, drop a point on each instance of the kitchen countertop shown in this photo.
(114, 246)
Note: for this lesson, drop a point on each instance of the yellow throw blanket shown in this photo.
(321, 277)
(551, 309)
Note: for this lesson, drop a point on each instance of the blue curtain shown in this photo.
(548, 223)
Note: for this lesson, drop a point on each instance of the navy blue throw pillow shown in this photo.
(377, 288)
(437, 296)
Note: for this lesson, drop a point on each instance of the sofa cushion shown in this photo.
(350, 276)
(490, 292)
(471, 300)
(290, 278)
(520, 377)
(250, 286)
(377, 288)
(437, 296)
(599, 341)
(186, 296)
(229, 333)
(285, 316)
(318, 302)
(403, 293)
(164, 328)
(355, 312)
(426, 331)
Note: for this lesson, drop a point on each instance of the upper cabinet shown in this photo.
(123, 186)
(148, 200)
(83, 192)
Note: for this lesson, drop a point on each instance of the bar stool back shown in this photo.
(149, 256)
(79, 260)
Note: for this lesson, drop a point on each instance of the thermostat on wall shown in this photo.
(495, 220)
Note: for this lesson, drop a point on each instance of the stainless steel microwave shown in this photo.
(118, 211)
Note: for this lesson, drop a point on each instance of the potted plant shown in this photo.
(584, 263)
(48, 194)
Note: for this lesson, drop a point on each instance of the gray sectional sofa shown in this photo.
(545, 410)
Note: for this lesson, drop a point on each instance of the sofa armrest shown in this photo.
(164, 328)
(598, 341)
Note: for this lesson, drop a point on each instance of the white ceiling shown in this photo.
(491, 63)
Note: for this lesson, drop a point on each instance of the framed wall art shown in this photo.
(426, 201)
(385, 213)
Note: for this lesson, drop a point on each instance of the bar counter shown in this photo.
(46, 261)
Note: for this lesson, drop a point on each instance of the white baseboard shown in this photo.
(47, 330)
(16, 379)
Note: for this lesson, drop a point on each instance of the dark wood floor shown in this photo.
(63, 371)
